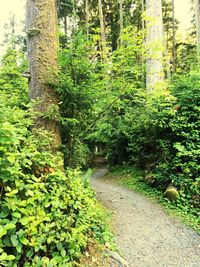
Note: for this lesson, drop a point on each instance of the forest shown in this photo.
(88, 79)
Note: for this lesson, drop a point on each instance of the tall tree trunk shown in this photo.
(42, 42)
(154, 61)
(102, 29)
(121, 23)
(87, 17)
(173, 39)
(197, 19)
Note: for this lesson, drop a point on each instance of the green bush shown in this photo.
(46, 217)
(160, 132)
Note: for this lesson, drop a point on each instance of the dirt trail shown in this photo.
(145, 234)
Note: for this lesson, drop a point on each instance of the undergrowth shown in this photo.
(47, 217)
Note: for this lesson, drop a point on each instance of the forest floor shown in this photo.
(145, 235)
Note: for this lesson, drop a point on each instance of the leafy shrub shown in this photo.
(160, 133)
(76, 91)
(46, 217)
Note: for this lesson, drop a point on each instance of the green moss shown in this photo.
(171, 193)
(33, 32)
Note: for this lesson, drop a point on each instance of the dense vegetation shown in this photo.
(157, 132)
(47, 218)
(49, 214)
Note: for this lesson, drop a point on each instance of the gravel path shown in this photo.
(145, 234)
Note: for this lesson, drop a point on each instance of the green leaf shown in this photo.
(2, 231)
(10, 257)
(11, 158)
(12, 193)
(30, 193)
(16, 215)
(29, 253)
(6, 241)
(23, 240)
(4, 214)
(3, 256)
(63, 253)
(14, 240)
(10, 226)
(24, 221)
(19, 247)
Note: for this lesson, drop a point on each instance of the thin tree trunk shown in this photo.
(197, 19)
(143, 9)
(65, 24)
(154, 61)
(102, 29)
(87, 17)
(74, 16)
(173, 39)
(167, 60)
(121, 23)
(42, 41)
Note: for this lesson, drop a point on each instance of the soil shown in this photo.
(145, 235)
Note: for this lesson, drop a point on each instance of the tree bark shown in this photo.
(87, 17)
(173, 39)
(74, 16)
(121, 23)
(143, 10)
(42, 42)
(65, 24)
(197, 19)
(154, 61)
(102, 29)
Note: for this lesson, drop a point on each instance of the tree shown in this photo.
(102, 29)
(41, 20)
(154, 67)
(174, 38)
(197, 19)
(87, 17)
(121, 23)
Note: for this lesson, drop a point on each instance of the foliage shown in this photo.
(122, 90)
(46, 217)
(76, 89)
(160, 133)
(106, 105)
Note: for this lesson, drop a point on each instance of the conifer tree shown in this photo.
(41, 22)
(154, 61)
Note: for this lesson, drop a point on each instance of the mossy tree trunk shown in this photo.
(42, 42)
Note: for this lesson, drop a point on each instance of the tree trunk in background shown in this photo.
(143, 10)
(197, 19)
(87, 17)
(121, 23)
(102, 29)
(154, 61)
(74, 16)
(173, 40)
(42, 42)
(65, 24)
